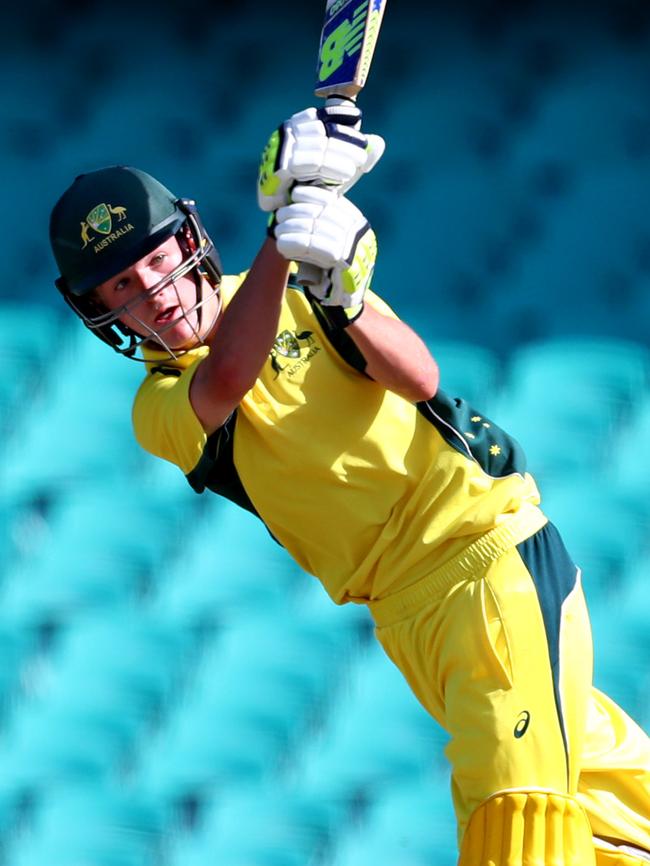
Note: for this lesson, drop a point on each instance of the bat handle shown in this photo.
(308, 274)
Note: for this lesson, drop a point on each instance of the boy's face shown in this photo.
(151, 305)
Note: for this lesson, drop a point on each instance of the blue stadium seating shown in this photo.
(262, 824)
(354, 756)
(211, 578)
(102, 824)
(629, 464)
(27, 332)
(411, 824)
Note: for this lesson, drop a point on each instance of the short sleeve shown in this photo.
(164, 421)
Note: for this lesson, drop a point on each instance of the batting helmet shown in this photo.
(107, 220)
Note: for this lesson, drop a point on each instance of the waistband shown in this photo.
(480, 553)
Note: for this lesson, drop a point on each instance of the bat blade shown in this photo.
(347, 44)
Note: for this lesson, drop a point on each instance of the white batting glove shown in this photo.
(323, 146)
(323, 229)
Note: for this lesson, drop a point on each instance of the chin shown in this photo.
(181, 335)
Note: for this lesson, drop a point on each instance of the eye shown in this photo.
(120, 285)
(158, 259)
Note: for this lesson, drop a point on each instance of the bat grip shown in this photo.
(308, 274)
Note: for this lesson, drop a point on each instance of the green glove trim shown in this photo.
(268, 181)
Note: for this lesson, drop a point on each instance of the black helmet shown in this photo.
(107, 220)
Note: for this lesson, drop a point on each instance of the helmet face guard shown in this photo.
(200, 259)
(147, 215)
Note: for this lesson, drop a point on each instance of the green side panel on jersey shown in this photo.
(555, 576)
(216, 469)
(471, 433)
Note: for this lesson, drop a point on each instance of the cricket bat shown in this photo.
(347, 45)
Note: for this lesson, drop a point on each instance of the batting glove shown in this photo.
(323, 146)
(326, 230)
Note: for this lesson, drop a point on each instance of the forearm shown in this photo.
(242, 339)
(396, 357)
(248, 327)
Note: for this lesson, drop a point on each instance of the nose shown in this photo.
(148, 282)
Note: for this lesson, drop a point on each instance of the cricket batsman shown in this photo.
(410, 501)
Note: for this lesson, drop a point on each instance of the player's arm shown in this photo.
(396, 357)
(315, 145)
(329, 232)
(241, 341)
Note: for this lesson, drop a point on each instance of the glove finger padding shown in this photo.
(375, 148)
(319, 227)
(321, 146)
(328, 231)
(346, 286)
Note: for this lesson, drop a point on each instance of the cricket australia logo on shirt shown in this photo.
(298, 348)
(100, 222)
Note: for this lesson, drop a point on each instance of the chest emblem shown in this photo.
(298, 347)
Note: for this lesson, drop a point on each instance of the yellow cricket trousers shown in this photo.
(496, 645)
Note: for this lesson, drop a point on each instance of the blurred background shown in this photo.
(174, 691)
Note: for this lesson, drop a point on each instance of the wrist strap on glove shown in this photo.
(338, 318)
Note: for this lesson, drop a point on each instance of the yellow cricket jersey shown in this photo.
(365, 490)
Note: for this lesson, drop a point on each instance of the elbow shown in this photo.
(421, 390)
(420, 385)
(233, 384)
(427, 384)
(225, 383)
(421, 395)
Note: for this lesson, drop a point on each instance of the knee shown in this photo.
(534, 827)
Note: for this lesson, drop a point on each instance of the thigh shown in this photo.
(503, 662)
(516, 707)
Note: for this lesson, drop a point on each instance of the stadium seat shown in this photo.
(228, 563)
(27, 330)
(169, 487)
(204, 747)
(579, 278)
(84, 422)
(147, 530)
(354, 756)
(260, 686)
(603, 529)
(268, 825)
(622, 641)
(412, 824)
(629, 465)
(100, 824)
(148, 670)
(68, 576)
(583, 118)
(50, 743)
(250, 657)
(26, 333)
(549, 368)
(465, 210)
(18, 647)
(567, 436)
